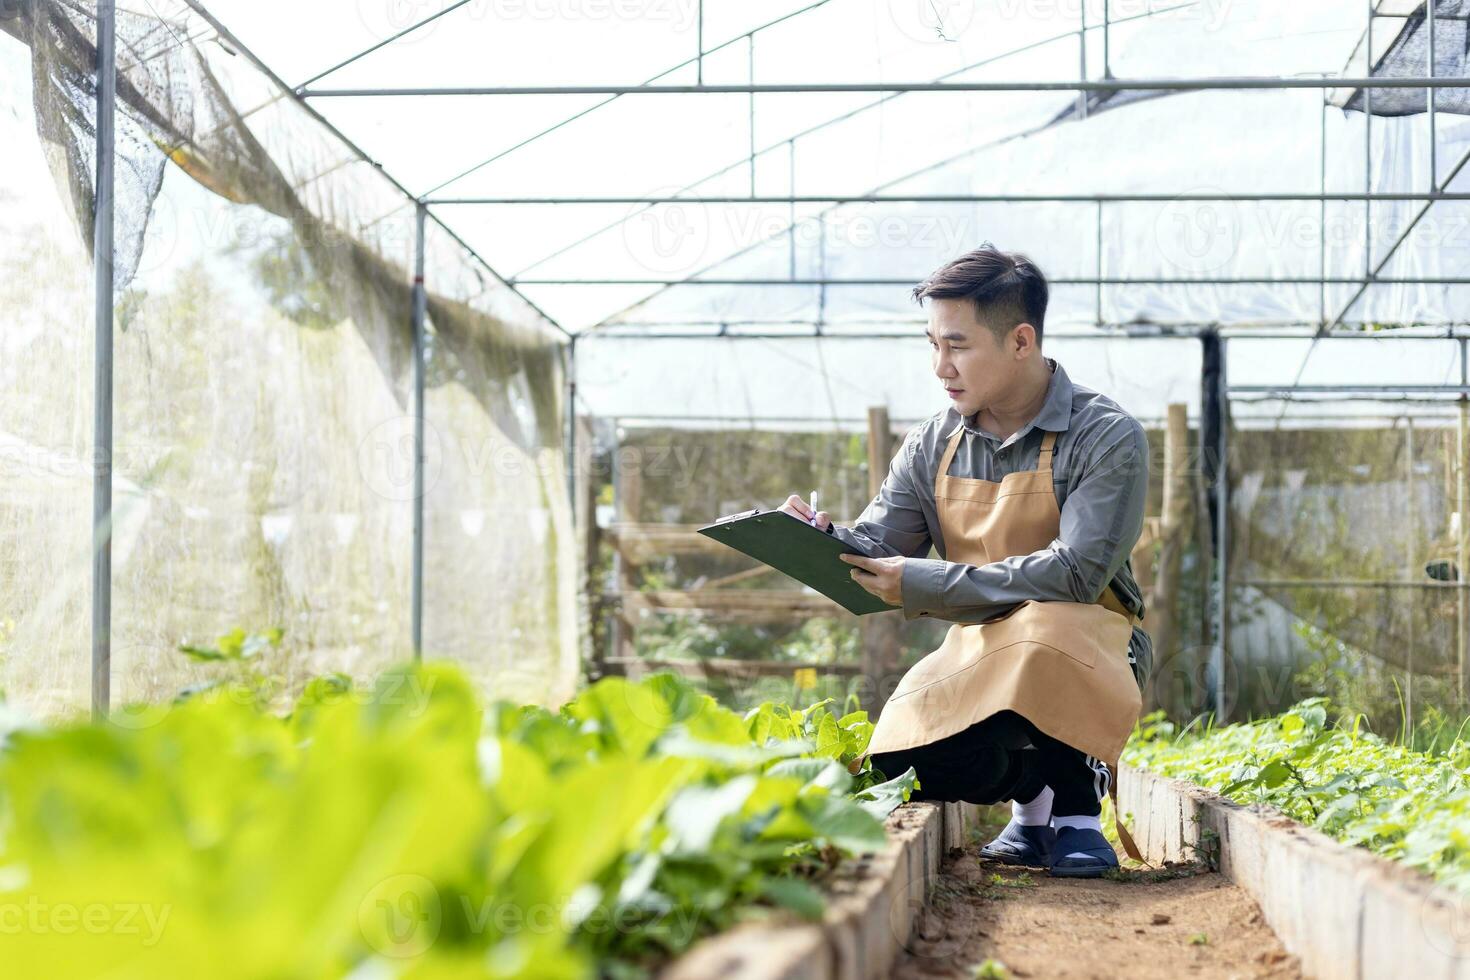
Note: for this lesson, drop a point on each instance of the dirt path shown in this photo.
(991, 921)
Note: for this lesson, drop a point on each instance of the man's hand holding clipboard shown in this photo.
(882, 577)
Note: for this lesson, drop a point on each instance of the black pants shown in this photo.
(1004, 757)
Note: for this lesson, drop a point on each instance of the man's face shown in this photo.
(969, 362)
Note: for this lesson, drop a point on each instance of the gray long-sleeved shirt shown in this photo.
(1100, 476)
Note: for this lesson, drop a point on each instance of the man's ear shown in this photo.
(1023, 335)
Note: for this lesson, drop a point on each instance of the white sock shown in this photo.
(1081, 823)
(1037, 812)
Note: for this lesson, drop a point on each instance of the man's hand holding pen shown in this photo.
(883, 577)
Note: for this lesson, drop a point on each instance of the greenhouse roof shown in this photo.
(1243, 203)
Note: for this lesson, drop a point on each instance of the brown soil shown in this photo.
(990, 920)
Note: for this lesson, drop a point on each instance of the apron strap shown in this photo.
(1048, 451)
(1110, 600)
(942, 475)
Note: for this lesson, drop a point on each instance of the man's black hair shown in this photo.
(1007, 288)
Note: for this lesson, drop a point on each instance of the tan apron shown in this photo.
(1062, 665)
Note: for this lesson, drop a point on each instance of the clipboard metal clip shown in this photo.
(735, 517)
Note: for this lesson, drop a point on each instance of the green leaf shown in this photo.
(795, 894)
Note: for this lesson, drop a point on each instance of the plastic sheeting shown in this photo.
(1241, 142)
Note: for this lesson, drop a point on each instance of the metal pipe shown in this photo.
(1368, 155)
(1462, 496)
(234, 42)
(1411, 569)
(420, 304)
(789, 199)
(1345, 389)
(750, 71)
(102, 281)
(1098, 244)
(1393, 249)
(1322, 216)
(1214, 83)
(1082, 58)
(1345, 583)
(571, 454)
(1125, 331)
(1219, 651)
(1107, 332)
(1429, 98)
(381, 44)
(1059, 281)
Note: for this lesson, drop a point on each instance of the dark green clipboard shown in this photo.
(791, 545)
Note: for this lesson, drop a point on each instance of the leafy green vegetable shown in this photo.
(1411, 806)
(405, 828)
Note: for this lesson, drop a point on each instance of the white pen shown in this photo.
(813, 521)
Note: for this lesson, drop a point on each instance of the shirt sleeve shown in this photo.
(893, 524)
(1100, 523)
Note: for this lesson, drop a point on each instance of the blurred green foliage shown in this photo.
(404, 828)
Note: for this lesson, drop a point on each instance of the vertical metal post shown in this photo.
(571, 454)
(1411, 572)
(1107, 71)
(1099, 245)
(699, 44)
(1082, 58)
(822, 266)
(1216, 477)
(750, 70)
(1222, 553)
(791, 210)
(1368, 154)
(1462, 556)
(420, 304)
(102, 261)
(1429, 97)
(1322, 216)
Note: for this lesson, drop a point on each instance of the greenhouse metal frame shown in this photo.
(1215, 394)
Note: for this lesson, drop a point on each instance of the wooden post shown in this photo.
(879, 632)
(1163, 604)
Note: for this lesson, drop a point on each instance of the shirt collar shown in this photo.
(1055, 414)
